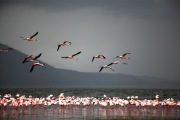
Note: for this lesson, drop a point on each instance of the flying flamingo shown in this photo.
(123, 56)
(109, 65)
(36, 64)
(106, 66)
(116, 62)
(98, 56)
(31, 56)
(27, 57)
(72, 56)
(30, 38)
(5, 50)
(65, 43)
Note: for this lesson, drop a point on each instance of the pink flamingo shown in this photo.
(123, 56)
(36, 64)
(31, 56)
(98, 56)
(5, 50)
(65, 43)
(72, 56)
(30, 38)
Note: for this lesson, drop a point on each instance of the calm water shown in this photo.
(83, 112)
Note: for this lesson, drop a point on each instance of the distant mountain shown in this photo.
(15, 74)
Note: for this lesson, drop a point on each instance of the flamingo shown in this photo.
(36, 64)
(30, 38)
(105, 66)
(72, 56)
(123, 56)
(109, 65)
(65, 43)
(33, 61)
(5, 50)
(31, 56)
(98, 56)
(116, 62)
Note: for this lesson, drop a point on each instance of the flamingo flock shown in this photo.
(22, 101)
(35, 62)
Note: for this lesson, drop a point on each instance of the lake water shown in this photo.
(70, 112)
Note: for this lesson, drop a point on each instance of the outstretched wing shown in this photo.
(111, 68)
(64, 57)
(100, 69)
(93, 59)
(32, 68)
(125, 54)
(34, 35)
(25, 60)
(76, 54)
(67, 43)
(110, 64)
(58, 47)
(102, 56)
(37, 56)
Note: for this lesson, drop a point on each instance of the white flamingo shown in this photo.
(105, 66)
(98, 56)
(36, 64)
(109, 65)
(30, 38)
(65, 43)
(116, 62)
(72, 56)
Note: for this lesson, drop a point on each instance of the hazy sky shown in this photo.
(148, 29)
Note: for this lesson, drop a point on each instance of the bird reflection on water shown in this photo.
(83, 112)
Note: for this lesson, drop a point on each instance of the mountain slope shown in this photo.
(15, 74)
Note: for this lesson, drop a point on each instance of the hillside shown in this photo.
(15, 74)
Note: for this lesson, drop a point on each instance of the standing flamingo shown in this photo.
(72, 56)
(36, 64)
(98, 56)
(65, 43)
(30, 38)
(123, 56)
